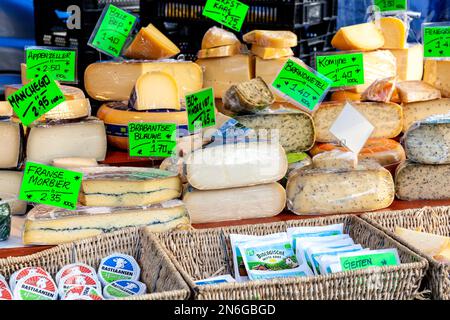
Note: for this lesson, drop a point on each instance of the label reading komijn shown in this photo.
(345, 70)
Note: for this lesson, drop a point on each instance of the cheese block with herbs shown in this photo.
(416, 111)
(335, 159)
(51, 226)
(416, 91)
(124, 186)
(437, 73)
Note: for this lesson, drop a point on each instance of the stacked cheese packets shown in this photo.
(303, 251)
(118, 275)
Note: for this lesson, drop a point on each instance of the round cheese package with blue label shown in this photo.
(123, 289)
(118, 266)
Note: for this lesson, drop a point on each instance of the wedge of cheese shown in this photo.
(271, 53)
(114, 81)
(49, 141)
(236, 165)
(437, 73)
(217, 37)
(294, 131)
(428, 243)
(262, 201)
(52, 226)
(224, 51)
(428, 141)
(151, 44)
(5, 109)
(413, 112)
(364, 37)
(409, 62)
(385, 117)
(416, 91)
(415, 181)
(222, 73)
(395, 33)
(11, 137)
(10, 183)
(271, 38)
(326, 191)
(123, 186)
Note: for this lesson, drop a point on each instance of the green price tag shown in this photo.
(35, 99)
(152, 139)
(201, 110)
(436, 40)
(58, 64)
(391, 5)
(345, 70)
(49, 185)
(230, 13)
(112, 31)
(304, 86)
(368, 260)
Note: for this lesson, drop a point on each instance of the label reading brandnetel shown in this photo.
(436, 40)
(345, 70)
(58, 64)
(49, 185)
(112, 31)
(152, 139)
(306, 87)
(391, 5)
(201, 110)
(35, 99)
(230, 13)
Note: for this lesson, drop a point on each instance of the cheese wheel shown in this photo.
(69, 110)
(70, 93)
(272, 39)
(217, 37)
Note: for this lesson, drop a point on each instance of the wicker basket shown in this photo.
(157, 271)
(200, 254)
(433, 220)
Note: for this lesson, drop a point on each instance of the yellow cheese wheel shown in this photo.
(217, 37)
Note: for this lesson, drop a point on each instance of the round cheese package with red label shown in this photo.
(5, 293)
(76, 280)
(36, 287)
(25, 272)
(75, 268)
(75, 293)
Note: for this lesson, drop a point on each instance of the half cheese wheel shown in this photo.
(364, 37)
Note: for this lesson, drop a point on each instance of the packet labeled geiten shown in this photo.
(271, 259)
(319, 231)
(327, 261)
(313, 253)
(118, 266)
(364, 260)
(240, 272)
(75, 268)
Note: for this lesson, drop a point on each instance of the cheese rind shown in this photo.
(236, 165)
(437, 73)
(395, 33)
(271, 53)
(409, 62)
(70, 93)
(224, 51)
(261, 201)
(365, 37)
(325, 191)
(114, 81)
(5, 109)
(385, 117)
(10, 183)
(413, 112)
(49, 141)
(155, 90)
(415, 181)
(271, 38)
(150, 43)
(11, 137)
(52, 226)
(217, 37)
(416, 91)
(74, 162)
(428, 243)
(222, 73)
(344, 96)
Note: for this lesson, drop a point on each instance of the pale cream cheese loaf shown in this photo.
(413, 112)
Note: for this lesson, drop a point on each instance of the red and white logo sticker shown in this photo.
(77, 280)
(25, 272)
(73, 269)
(5, 293)
(81, 291)
(36, 287)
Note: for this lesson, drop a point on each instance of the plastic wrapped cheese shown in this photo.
(261, 201)
(236, 165)
(416, 111)
(335, 159)
(380, 91)
(217, 37)
(428, 141)
(327, 191)
(414, 181)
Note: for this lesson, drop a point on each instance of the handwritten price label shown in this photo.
(436, 40)
(35, 99)
(230, 13)
(201, 110)
(345, 70)
(391, 5)
(368, 260)
(49, 185)
(58, 64)
(152, 139)
(112, 31)
(302, 85)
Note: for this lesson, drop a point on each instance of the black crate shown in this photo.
(287, 14)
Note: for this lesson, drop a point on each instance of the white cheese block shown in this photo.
(437, 73)
(415, 181)
(387, 118)
(428, 141)
(11, 137)
(124, 186)
(262, 201)
(86, 139)
(52, 226)
(413, 112)
(428, 243)
(326, 191)
(236, 165)
(74, 162)
(10, 183)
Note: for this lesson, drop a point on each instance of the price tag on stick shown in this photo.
(112, 31)
(35, 99)
(436, 40)
(152, 139)
(230, 13)
(49, 185)
(201, 110)
(391, 5)
(345, 70)
(59, 64)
